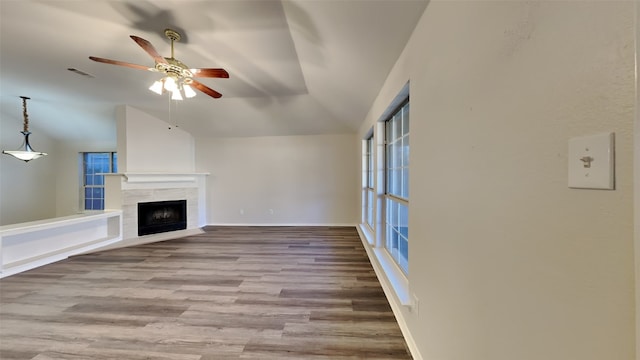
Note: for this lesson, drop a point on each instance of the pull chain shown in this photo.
(24, 113)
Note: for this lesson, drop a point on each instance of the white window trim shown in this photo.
(81, 179)
(399, 105)
(391, 277)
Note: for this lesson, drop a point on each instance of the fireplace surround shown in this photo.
(125, 191)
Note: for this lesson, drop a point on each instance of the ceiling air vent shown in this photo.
(80, 72)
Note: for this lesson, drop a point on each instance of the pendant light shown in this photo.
(26, 152)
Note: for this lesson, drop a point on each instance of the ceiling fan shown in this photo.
(179, 77)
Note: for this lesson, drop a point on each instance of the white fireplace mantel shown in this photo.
(152, 177)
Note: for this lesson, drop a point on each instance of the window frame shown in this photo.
(394, 233)
(96, 186)
(368, 192)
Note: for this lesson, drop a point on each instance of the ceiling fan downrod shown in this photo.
(173, 36)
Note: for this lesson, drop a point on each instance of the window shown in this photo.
(368, 196)
(93, 164)
(397, 186)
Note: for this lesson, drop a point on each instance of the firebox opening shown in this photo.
(161, 216)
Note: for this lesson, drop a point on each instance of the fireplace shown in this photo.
(161, 216)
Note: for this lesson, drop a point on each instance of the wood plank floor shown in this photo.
(229, 293)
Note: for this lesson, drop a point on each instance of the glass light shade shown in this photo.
(176, 95)
(170, 84)
(188, 91)
(157, 87)
(25, 153)
(25, 156)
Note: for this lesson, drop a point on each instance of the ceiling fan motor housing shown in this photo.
(175, 68)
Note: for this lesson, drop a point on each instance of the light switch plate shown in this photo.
(591, 162)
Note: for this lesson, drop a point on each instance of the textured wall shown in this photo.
(281, 179)
(507, 261)
(148, 144)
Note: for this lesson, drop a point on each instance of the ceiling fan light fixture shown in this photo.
(170, 84)
(175, 95)
(26, 152)
(188, 91)
(157, 87)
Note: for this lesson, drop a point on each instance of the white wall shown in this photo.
(43, 188)
(51, 186)
(27, 190)
(68, 169)
(48, 187)
(147, 144)
(636, 182)
(506, 260)
(280, 180)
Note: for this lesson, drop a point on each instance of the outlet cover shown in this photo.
(415, 304)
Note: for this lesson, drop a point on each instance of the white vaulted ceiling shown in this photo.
(296, 67)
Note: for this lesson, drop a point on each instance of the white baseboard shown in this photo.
(394, 300)
(285, 224)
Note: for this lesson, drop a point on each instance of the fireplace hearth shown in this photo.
(161, 216)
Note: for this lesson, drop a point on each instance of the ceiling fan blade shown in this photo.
(211, 73)
(146, 46)
(121, 63)
(205, 89)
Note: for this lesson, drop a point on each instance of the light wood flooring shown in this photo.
(228, 293)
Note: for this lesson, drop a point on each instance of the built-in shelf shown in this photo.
(32, 244)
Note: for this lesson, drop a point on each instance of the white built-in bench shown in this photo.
(32, 244)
